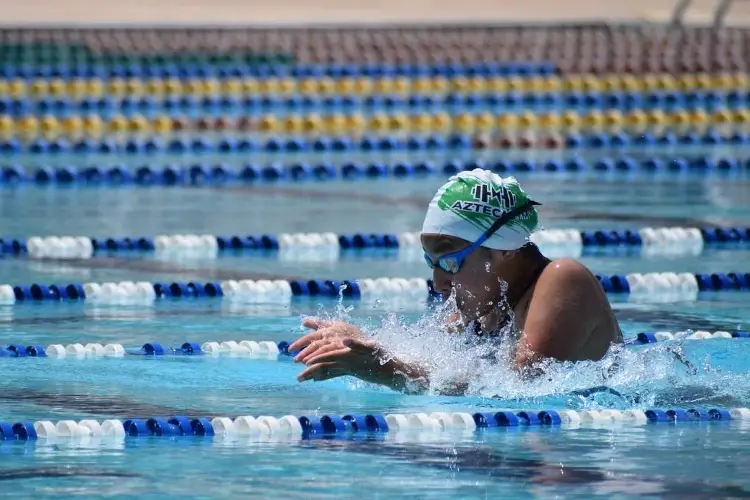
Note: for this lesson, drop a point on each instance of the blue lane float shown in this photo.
(332, 426)
(218, 174)
(222, 71)
(394, 143)
(680, 286)
(709, 101)
(591, 241)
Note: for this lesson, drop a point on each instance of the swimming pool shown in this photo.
(601, 446)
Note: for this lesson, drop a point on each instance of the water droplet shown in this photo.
(487, 267)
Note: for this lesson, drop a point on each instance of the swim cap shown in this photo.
(470, 202)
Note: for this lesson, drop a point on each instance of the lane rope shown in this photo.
(311, 426)
(636, 286)
(651, 240)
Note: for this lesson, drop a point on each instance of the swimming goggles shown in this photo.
(452, 262)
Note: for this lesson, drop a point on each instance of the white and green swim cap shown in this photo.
(470, 202)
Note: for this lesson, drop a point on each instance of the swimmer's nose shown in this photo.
(442, 282)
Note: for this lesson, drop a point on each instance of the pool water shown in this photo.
(685, 460)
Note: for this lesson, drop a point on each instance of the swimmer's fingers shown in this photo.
(317, 347)
(321, 371)
(305, 341)
(315, 323)
(353, 353)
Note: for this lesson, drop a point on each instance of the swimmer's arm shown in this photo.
(411, 378)
(562, 315)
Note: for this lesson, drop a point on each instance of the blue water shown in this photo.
(659, 461)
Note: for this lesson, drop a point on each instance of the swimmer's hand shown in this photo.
(323, 330)
(336, 349)
(336, 357)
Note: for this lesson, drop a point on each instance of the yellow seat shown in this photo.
(231, 87)
(666, 82)
(115, 87)
(162, 125)
(326, 86)
(630, 83)
(678, 118)
(464, 122)
(422, 86)
(174, 87)
(307, 87)
(398, 122)
(507, 121)
(38, 88)
(593, 119)
(72, 126)
(4, 87)
(741, 116)
(686, 81)
(611, 83)
(401, 85)
(346, 86)
(211, 86)
(550, 120)
(93, 126)
(17, 89)
(268, 123)
(636, 119)
(77, 88)
(527, 120)
(420, 122)
(591, 83)
(698, 118)
(459, 84)
(516, 84)
(293, 124)
(134, 87)
(7, 127)
(155, 87)
(268, 86)
(118, 124)
(363, 86)
(703, 81)
(250, 86)
(335, 123)
(440, 85)
(28, 127)
(614, 119)
(656, 118)
(650, 82)
(378, 122)
(95, 88)
(441, 121)
(138, 124)
(722, 81)
(553, 84)
(573, 83)
(383, 85)
(477, 84)
(49, 127)
(571, 120)
(312, 124)
(740, 81)
(287, 86)
(721, 117)
(354, 123)
(192, 87)
(485, 122)
(536, 84)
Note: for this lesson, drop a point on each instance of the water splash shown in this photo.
(626, 377)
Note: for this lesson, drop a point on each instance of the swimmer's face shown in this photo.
(477, 282)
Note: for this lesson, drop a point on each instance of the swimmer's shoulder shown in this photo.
(564, 274)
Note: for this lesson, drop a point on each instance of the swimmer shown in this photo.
(476, 238)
